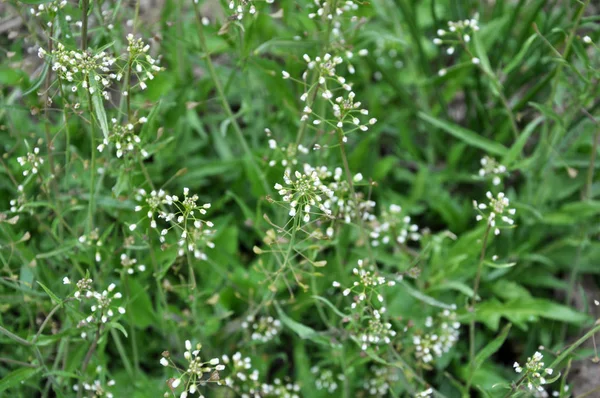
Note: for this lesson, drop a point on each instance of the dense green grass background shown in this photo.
(422, 154)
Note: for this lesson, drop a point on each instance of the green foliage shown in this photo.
(198, 204)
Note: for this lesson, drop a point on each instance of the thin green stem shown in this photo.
(472, 309)
(91, 205)
(225, 104)
(84, 27)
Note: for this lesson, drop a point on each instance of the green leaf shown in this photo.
(98, 104)
(499, 265)
(140, 305)
(523, 311)
(468, 136)
(118, 326)
(425, 298)
(9, 76)
(34, 1)
(516, 61)
(491, 348)
(304, 332)
(330, 305)
(38, 81)
(15, 378)
(517, 147)
(53, 296)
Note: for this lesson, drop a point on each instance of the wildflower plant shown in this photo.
(318, 191)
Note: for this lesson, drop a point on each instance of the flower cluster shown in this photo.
(367, 284)
(31, 162)
(92, 240)
(390, 226)
(344, 107)
(304, 192)
(264, 329)
(491, 168)
(241, 7)
(96, 389)
(326, 380)
(284, 155)
(182, 215)
(337, 15)
(86, 69)
(124, 138)
(242, 378)
(535, 372)
(280, 388)
(327, 191)
(376, 332)
(103, 307)
(425, 393)
(458, 34)
(245, 381)
(48, 9)
(378, 383)
(130, 264)
(437, 338)
(140, 62)
(197, 372)
(324, 9)
(16, 205)
(496, 209)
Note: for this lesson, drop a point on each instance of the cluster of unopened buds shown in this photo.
(197, 373)
(86, 69)
(31, 162)
(491, 168)
(140, 62)
(392, 227)
(125, 138)
(437, 338)
(194, 233)
(376, 332)
(495, 211)
(535, 372)
(380, 380)
(263, 329)
(458, 34)
(326, 380)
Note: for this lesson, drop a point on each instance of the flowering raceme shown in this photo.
(497, 210)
